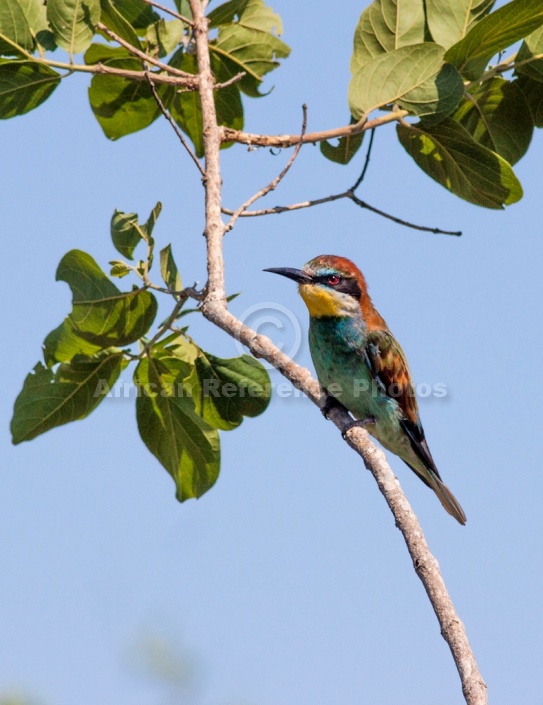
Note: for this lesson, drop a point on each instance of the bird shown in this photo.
(360, 365)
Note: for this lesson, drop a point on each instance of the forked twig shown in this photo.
(274, 183)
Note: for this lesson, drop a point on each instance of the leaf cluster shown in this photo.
(430, 59)
(185, 395)
(146, 48)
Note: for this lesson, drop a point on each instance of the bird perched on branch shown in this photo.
(360, 364)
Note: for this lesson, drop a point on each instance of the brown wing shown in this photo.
(390, 370)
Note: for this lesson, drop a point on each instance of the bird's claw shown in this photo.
(358, 422)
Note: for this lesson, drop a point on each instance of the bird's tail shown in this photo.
(447, 499)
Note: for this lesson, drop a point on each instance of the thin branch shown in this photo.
(366, 163)
(283, 141)
(174, 125)
(400, 221)
(274, 183)
(214, 309)
(173, 13)
(336, 197)
(190, 77)
(230, 81)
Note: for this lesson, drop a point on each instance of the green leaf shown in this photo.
(186, 109)
(494, 33)
(102, 315)
(226, 390)
(386, 25)
(120, 105)
(114, 20)
(63, 344)
(164, 36)
(533, 94)
(73, 22)
(137, 13)
(168, 269)
(249, 44)
(449, 154)
(126, 232)
(530, 47)
(119, 269)
(497, 116)
(183, 443)
(413, 76)
(24, 85)
(346, 148)
(449, 22)
(50, 399)
(183, 7)
(15, 30)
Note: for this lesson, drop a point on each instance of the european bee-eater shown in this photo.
(360, 363)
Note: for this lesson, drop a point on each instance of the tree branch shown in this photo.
(283, 141)
(214, 309)
(273, 184)
(170, 12)
(172, 122)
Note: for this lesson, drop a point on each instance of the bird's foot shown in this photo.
(331, 403)
(358, 422)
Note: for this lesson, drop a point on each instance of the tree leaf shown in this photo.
(168, 269)
(449, 22)
(15, 31)
(533, 94)
(121, 106)
(386, 25)
(24, 85)
(126, 232)
(531, 46)
(186, 109)
(183, 443)
(115, 20)
(226, 390)
(164, 36)
(137, 13)
(102, 315)
(449, 154)
(249, 44)
(494, 33)
(413, 76)
(346, 148)
(497, 116)
(73, 23)
(119, 269)
(50, 399)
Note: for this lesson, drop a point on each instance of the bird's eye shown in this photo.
(333, 279)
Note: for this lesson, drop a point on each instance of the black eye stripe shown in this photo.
(344, 285)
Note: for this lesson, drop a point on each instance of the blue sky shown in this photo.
(288, 582)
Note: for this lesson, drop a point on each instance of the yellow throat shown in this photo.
(320, 302)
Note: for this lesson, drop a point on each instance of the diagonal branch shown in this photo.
(174, 125)
(214, 309)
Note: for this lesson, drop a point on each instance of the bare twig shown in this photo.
(274, 183)
(174, 125)
(214, 309)
(190, 78)
(366, 163)
(173, 13)
(283, 141)
(400, 221)
(230, 81)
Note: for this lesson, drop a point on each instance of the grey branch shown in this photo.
(214, 309)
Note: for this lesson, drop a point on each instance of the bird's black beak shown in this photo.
(296, 274)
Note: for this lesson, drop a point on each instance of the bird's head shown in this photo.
(329, 285)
